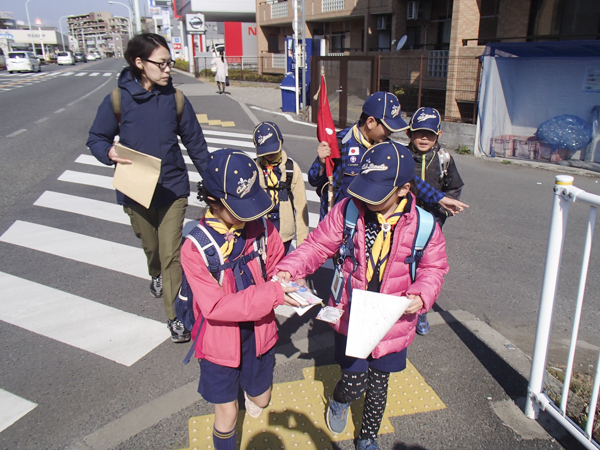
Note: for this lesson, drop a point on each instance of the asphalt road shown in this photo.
(496, 252)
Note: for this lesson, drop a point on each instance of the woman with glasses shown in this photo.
(148, 114)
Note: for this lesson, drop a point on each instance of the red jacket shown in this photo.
(323, 242)
(223, 307)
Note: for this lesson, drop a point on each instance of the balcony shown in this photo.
(279, 10)
(333, 5)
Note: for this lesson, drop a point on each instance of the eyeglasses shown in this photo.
(162, 65)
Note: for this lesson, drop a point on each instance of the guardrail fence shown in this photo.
(564, 194)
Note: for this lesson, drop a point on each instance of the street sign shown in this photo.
(195, 23)
(38, 22)
(176, 46)
(176, 40)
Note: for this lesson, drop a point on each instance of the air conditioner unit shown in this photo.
(412, 10)
(381, 23)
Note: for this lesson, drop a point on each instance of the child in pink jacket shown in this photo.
(237, 322)
(384, 236)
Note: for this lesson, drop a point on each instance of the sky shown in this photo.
(51, 10)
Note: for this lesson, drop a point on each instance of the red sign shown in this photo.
(176, 46)
(38, 22)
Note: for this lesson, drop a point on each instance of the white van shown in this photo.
(63, 58)
(22, 62)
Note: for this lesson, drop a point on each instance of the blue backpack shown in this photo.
(425, 230)
(213, 258)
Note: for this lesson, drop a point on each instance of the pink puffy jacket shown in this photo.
(223, 307)
(323, 242)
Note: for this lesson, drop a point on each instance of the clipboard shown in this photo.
(137, 180)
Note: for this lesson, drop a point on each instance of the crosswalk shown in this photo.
(12, 81)
(61, 313)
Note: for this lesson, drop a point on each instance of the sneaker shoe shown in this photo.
(252, 408)
(156, 286)
(366, 444)
(178, 332)
(422, 324)
(337, 416)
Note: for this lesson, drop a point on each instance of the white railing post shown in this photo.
(558, 222)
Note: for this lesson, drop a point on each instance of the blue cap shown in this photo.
(385, 107)
(426, 119)
(384, 167)
(267, 138)
(232, 176)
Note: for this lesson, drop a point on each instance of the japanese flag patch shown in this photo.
(354, 151)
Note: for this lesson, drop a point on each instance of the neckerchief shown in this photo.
(381, 247)
(360, 138)
(231, 234)
(271, 178)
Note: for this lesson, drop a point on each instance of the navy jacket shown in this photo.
(149, 125)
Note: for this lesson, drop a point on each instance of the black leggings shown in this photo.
(353, 385)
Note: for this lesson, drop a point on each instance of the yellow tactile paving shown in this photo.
(295, 418)
(203, 119)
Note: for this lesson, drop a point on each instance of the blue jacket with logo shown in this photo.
(346, 168)
(149, 125)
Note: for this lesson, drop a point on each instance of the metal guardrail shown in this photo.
(564, 194)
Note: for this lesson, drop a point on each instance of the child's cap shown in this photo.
(384, 167)
(267, 138)
(232, 176)
(426, 119)
(385, 107)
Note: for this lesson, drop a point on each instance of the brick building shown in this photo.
(444, 39)
(99, 31)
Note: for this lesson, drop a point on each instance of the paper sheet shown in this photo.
(137, 180)
(372, 315)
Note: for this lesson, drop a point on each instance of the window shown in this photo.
(333, 5)
(488, 20)
(577, 18)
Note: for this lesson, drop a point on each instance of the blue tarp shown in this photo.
(564, 49)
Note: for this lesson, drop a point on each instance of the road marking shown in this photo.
(107, 74)
(58, 111)
(230, 143)
(78, 247)
(228, 134)
(110, 212)
(76, 321)
(80, 74)
(90, 161)
(89, 179)
(16, 133)
(42, 120)
(66, 74)
(13, 408)
(95, 74)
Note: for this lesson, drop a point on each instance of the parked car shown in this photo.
(22, 62)
(80, 57)
(91, 57)
(63, 58)
(97, 55)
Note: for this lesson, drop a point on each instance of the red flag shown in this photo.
(326, 128)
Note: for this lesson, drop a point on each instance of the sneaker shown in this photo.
(178, 332)
(252, 408)
(366, 444)
(337, 416)
(422, 324)
(156, 286)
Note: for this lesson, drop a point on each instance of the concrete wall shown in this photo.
(456, 134)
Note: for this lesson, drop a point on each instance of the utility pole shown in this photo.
(138, 19)
(303, 50)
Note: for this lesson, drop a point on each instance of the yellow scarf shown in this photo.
(360, 138)
(231, 234)
(271, 179)
(381, 247)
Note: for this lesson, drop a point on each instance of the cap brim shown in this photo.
(249, 208)
(268, 149)
(437, 133)
(396, 124)
(370, 192)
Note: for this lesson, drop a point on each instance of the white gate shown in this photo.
(564, 194)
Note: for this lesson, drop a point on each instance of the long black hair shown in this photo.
(142, 46)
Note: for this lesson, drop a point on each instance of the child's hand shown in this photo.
(284, 276)
(113, 156)
(453, 206)
(287, 299)
(416, 304)
(324, 151)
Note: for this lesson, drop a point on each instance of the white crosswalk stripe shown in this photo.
(13, 408)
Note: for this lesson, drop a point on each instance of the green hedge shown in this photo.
(236, 74)
(182, 65)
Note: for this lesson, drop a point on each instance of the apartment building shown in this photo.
(442, 39)
(99, 30)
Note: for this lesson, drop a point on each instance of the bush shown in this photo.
(182, 65)
(463, 150)
(236, 74)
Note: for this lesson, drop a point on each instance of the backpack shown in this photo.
(287, 186)
(115, 101)
(425, 229)
(444, 159)
(213, 258)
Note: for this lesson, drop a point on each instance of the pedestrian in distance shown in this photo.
(237, 329)
(282, 179)
(148, 113)
(379, 119)
(221, 72)
(373, 259)
(434, 165)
